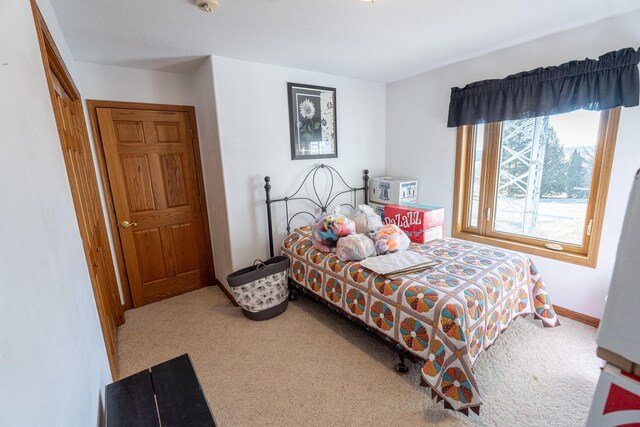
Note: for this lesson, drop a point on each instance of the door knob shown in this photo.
(127, 224)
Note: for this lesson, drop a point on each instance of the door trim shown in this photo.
(92, 106)
(54, 65)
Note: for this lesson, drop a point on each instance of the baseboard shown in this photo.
(582, 318)
(225, 291)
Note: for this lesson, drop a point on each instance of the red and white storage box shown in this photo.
(393, 189)
(421, 223)
(617, 399)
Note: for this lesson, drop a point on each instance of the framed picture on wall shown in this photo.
(312, 118)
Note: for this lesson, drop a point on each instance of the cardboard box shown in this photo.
(378, 208)
(421, 223)
(618, 361)
(616, 401)
(619, 331)
(393, 190)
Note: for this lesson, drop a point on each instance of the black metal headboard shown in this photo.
(321, 203)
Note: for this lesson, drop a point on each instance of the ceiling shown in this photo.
(384, 41)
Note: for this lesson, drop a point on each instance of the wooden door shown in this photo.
(84, 187)
(67, 109)
(153, 177)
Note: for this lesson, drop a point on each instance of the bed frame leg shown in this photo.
(292, 293)
(401, 368)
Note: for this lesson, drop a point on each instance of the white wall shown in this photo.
(419, 143)
(253, 122)
(53, 363)
(207, 117)
(109, 83)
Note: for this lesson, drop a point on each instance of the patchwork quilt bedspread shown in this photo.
(446, 315)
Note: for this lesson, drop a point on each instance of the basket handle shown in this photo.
(260, 263)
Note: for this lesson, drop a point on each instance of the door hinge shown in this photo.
(589, 227)
(488, 214)
(191, 130)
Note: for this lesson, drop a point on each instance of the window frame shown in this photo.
(585, 254)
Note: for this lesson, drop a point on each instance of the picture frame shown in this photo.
(312, 120)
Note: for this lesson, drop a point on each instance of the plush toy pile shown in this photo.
(366, 219)
(389, 239)
(337, 233)
(328, 228)
(355, 247)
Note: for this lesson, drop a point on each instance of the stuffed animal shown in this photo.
(390, 238)
(328, 228)
(366, 219)
(355, 247)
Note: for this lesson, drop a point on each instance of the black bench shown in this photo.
(168, 394)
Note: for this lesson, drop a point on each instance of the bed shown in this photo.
(443, 317)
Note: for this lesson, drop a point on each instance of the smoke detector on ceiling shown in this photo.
(209, 6)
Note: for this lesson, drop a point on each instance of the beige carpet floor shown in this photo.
(310, 367)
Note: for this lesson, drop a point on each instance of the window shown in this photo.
(536, 185)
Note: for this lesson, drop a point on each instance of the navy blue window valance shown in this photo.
(608, 82)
